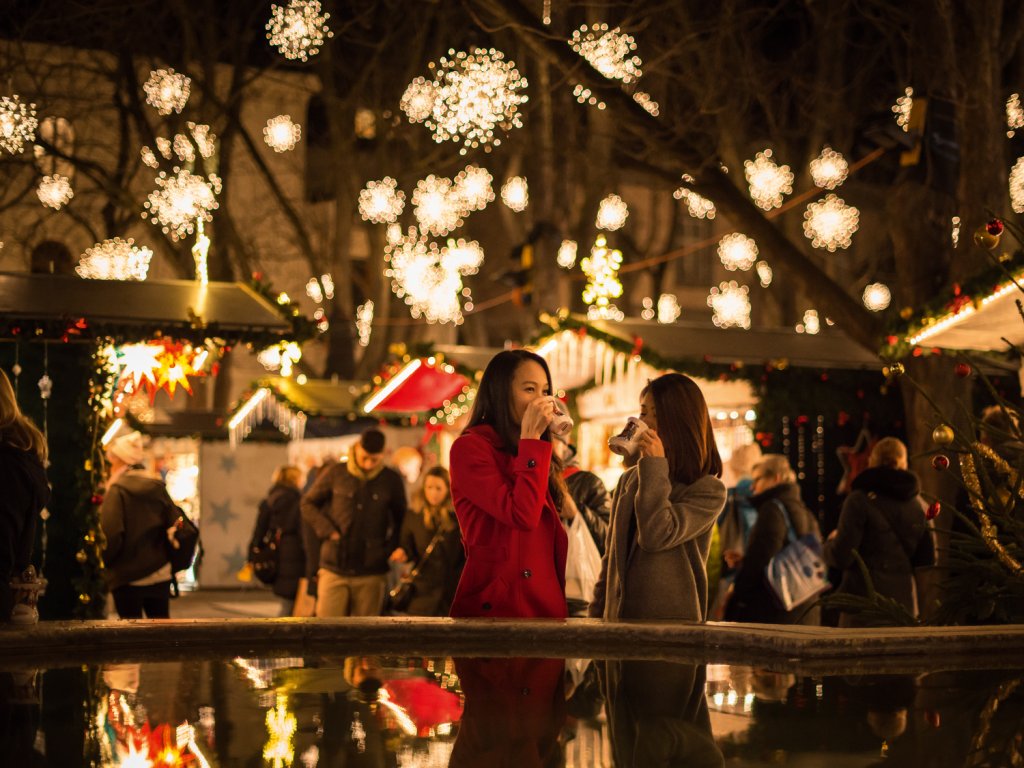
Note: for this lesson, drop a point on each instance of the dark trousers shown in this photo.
(153, 599)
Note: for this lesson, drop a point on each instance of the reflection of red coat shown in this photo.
(513, 714)
(515, 543)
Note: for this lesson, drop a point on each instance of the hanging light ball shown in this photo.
(515, 194)
(962, 370)
(933, 511)
(418, 100)
(381, 202)
(612, 213)
(893, 371)
(115, 259)
(167, 91)
(940, 462)
(943, 435)
(737, 252)
(829, 169)
(609, 51)
(55, 191)
(18, 124)
(831, 223)
(995, 227)
(876, 296)
(281, 134)
(298, 29)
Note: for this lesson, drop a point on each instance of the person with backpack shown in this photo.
(138, 519)
(276, 549)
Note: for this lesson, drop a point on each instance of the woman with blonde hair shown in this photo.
(280, 521)
(430, 540)
(23, 454)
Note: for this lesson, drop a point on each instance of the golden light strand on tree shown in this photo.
(989, 532)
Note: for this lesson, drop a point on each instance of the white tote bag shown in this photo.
(583, 560)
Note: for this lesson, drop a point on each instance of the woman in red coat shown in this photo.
(504, 491)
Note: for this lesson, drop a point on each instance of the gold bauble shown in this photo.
(893, 370)
(81, 556)
(943, 434)
(984, 238)
(84, 599)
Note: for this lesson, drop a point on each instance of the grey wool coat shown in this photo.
(655, 567)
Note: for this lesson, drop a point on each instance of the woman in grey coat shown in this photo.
(663, 512)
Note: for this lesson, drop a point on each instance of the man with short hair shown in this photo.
(356, 508)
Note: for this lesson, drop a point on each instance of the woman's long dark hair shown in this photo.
(684, 426)
(493, 407)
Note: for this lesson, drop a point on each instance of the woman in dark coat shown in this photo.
(751, 599)
(431, 515)
(883, 519)
(280, 512)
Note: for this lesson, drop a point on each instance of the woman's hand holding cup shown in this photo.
(538, 415)
(650, 444)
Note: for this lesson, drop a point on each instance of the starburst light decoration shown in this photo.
(903, 107)
(668, 308)
(697, 206)
(515, 193)
(167, 91)
(768, 182)
(364, 322)
(609, 51)
(418, 100)
(830, 223)
(18, 124)
(829, 169)
(54, 191)
(612, 213)
(737, 252)
(566, 257)
(473, 188)
(281, 134)
(1017, 186)
(764, 273)
(730, 305)
(381, 202)
(299, 29)
(180, 200)
(1014, 115)
(602, 270)
(427, 278)
(478, 92)
(436, 206)
(876, 296)
(115, 259)
(811, 323)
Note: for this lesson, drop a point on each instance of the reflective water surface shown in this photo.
(414, 711)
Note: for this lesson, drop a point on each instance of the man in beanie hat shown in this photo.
(356, 508)
(135, 516)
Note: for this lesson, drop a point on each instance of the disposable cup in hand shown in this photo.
(561, 424)
(627, 442)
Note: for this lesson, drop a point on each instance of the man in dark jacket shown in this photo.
(356, 508)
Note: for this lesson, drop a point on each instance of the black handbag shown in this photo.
(402, 593)
(266, 555)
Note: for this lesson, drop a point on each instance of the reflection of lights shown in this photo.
(18, 123)
(831, 223)
(602, 270)
(364, 322)
(768, 182)
(903, 107)
(515, 194)
(612, 213)
(876, 296)
(730, 305)
(393, 383)
(764, 273)
(136, 758)
(737, 251)
(167, 91)
(281, 134)
(381, 202)
(829, 169)
(180, 200)
(811, 324)
(401, 716)
(281, 725)
(609, 51)
(54, 191)
(115, 259)
(566, 257)
(298, 29)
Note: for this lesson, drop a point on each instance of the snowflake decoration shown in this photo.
(149, 157)
(183, 148)
(602, 270)
(436, 206)
(768, 182)
(203, 138)
(18, 124)
(55, 191)
(465, 257)
(298, 29)
(903, 107)
(1014, 115)
(829, 169)
(609, 51)
(394, 234)
(737, 252)
(515, 193)
(877, 296)
(477, 93)
(115, 259)
(566, 257)
(1017, 186)
(668, 308)
(381, 202)
(830, 223)
(418, 100)
(167, 91)
(426, 279)
(585, 96)
(165, 148)
(644, 100)
(612, 213)
(181, 199)
(364, 322)
(473, 188)
(281, 134)
(697, 206)
(811, 324)
(730, 305)
(764, 273)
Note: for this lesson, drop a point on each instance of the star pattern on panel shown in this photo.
(234, 560)
(228, 463)
(221, 514)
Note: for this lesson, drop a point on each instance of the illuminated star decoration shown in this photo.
(602, 270)
(768, 182)
(737, 251)
(167, 91)
(139, 362)
(436, 205)
(473, 189)
(1017, 186)
(609, 51)
(477, 93)
(381, 202)
(165, 364)
(281, 134)
(115, 259)
(730, 305)
(299, 29)
(829, 169)
(515, 194)
(18, 124)
(612, 213)
(54, 191)
(566, 257)
(697, 206)
(180, 200)
(903, 107)
(831, 223)
(876, 296)
(1014, 115)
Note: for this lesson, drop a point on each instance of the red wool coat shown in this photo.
(515, 543)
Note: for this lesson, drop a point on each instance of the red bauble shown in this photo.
(940, 462)
(963, 370)
(994, 227)
(96, 499)
(933, 511)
